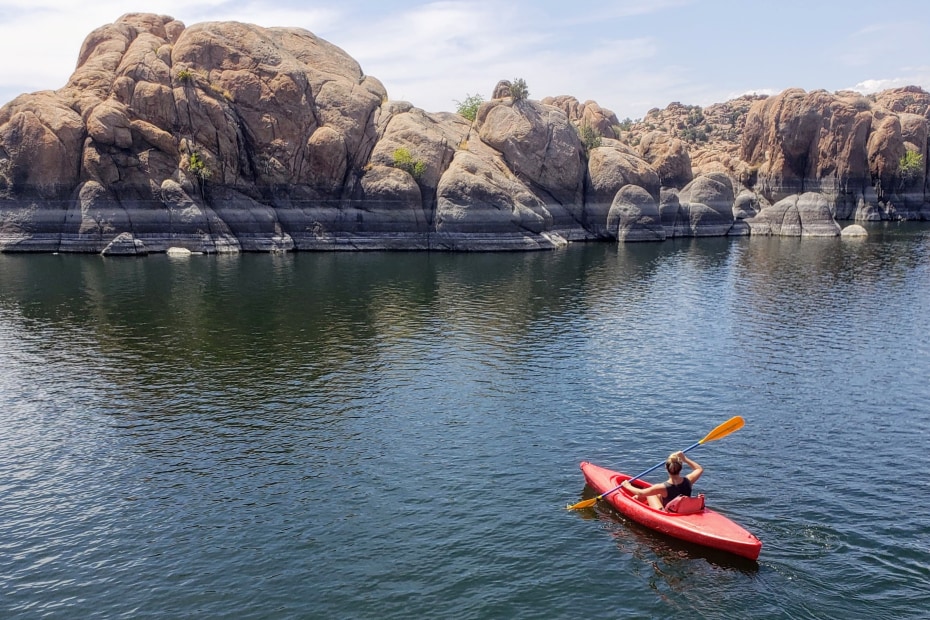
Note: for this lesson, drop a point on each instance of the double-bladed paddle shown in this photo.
(730, 426)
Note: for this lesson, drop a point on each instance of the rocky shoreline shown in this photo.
(229, 137)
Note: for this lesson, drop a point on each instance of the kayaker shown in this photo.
(658, 495)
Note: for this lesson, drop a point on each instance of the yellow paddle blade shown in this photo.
(730, 426)
(587, 503)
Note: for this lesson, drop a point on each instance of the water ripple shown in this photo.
(396, 435)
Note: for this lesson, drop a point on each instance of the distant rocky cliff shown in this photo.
(224, 137)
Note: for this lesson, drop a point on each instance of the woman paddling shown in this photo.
(658, 495)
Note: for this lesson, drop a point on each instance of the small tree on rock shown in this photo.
(911, 166)
(589, 138)
(469, 107)
(519, 90)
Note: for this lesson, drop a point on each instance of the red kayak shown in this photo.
(706, 527)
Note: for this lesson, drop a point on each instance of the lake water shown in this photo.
(396, 435)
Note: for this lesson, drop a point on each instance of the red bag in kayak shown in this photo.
(685, 505)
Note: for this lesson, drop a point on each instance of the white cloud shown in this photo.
(628, 55)
(867, 87)
(430, 53)
(434, 54)
(437, 53)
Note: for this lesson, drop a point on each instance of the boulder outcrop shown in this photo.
(703, 208)
(588, 114)
(227, 137)
(634, 216)
(612, 167)
(798, 215)
(847, 147)
(669, 157)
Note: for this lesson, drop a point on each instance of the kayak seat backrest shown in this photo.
(685, 505)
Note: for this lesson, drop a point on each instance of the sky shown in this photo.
(627, 55)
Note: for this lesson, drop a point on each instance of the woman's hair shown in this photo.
(673, 464)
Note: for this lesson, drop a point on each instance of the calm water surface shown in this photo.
(397, 435)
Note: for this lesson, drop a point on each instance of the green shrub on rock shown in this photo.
(469, 107)
(911, 166)
(197, 166)
(519, 90)
(403, 160)
(589, 137)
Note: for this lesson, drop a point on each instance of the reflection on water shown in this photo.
(679, 558)
(397, 434)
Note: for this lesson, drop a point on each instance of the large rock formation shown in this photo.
(220, 136)
(847, 147)
(670, 158)
(227, 137)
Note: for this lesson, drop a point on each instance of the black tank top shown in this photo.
(674, 490)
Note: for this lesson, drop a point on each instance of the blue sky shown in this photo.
(628, 55)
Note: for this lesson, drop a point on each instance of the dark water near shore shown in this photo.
(397, 435)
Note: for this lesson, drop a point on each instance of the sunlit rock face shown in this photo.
(227, 137)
